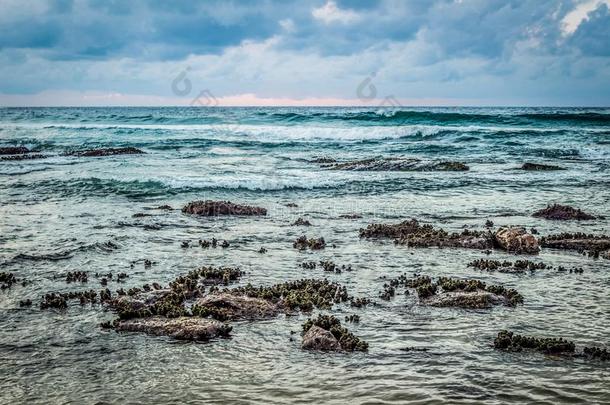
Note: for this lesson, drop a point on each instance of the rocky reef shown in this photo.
(225, 306)
(396, 164)
(182, 328)
(325, 333)
(105, 152)
(216, 208)
(29, 156)
(302, 243)
(562, 213)
(506, 266)
(535, 167)
(510, 341)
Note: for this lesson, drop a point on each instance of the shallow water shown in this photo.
(57, 214)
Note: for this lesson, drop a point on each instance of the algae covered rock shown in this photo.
(536, 167)
(326, 333)
(398, 164)
(562, 213)
(13, 150)
(516, 240)
(183, 328)
(216, 208)
(507, 340)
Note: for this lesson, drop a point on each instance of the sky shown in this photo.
(322, 52)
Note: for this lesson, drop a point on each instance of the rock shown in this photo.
(323, 160)
(165, 207)
(302, 243)
(183, 328)
(292, 205)
(317, 338)
(215, 208)
(398, 164)
(412, 234)
(539, 167)
(507, 340)
(576, 241)
(606, 255)
(326, 333)
(516, 240)
(105, 152)
(463, 299)
(7, 280)
(227, 306)
(13, 150)
(24, 157)
(301, 222)
(562, 213)
(140, 215)
(350, 216)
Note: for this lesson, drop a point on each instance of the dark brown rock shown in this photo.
(399, 164)
(215, 208)
(301, 222)
(539, 167)
(23, 157)
(106, 152)
(317, 338)
(576, 241)
(562, 213)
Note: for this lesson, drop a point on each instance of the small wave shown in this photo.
(102, 247)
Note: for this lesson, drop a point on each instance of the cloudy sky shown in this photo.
(322, 52)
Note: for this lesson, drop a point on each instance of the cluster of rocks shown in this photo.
(562, 213)
(518, 266)
(7, 280)
(216, 208)
(395, 164)
(207, 243)
(412, 234)
(509, 341)
(451, 292)
(326, 333)
(327, 265)
(60, 300)
(302, 243)
(76, 276)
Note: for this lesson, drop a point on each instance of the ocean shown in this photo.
(62, 213)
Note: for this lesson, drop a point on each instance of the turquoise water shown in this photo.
(57, 215)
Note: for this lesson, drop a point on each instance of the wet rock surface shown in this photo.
(215, 208)
(510, 341)
(325, 333)
(105, 152)
(562, 213)
(397, 164)
(301, 222)
(30, 156)
(516, 240)
(534, 167)
(182, 328)
(227, 306)
(7, 280)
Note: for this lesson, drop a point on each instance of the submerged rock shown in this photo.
(13, 150)
(562, 213)
(506, 266)
(106, 152)
(227, 306)
(540, 167)
(301, 222)
(7, 280)
(398, 164)
(326, 333)
(215, 208)
(183, 328)
(516, 240)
